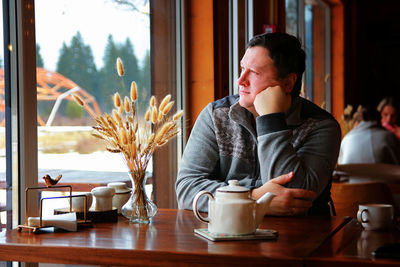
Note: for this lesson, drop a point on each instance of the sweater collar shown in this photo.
(242, 116)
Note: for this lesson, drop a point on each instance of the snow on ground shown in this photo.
(97, 161)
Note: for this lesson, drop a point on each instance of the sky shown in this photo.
(57, 21)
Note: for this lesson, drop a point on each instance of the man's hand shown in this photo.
(271, 100)
(288, 201)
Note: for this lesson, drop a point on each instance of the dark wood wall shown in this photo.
(372, 50)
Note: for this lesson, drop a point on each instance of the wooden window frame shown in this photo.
(22, 119)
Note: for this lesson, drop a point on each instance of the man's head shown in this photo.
(367, 113)
(287, 54)
(274, 59)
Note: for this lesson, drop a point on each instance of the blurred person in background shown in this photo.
(388, 109)
(369, 142)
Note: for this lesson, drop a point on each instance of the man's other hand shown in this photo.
(288, 201)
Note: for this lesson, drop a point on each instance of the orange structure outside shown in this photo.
(50, 85)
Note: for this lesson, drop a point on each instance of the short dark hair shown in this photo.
(368, 113)
(287, 53)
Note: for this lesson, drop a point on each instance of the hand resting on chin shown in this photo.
(272, 100)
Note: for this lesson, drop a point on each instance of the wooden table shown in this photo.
(352, 246)
(168, 240)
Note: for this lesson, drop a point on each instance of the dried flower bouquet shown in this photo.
(349, 119)
(136, 141)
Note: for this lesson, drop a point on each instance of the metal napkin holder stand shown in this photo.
(84, 222)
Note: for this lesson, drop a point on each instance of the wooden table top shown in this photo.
(169, 239)
(352, 246)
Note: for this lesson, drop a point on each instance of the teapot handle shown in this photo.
(195, 201)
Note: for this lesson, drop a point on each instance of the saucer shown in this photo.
(266, 234)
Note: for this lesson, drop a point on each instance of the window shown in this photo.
(310, 21)
(3, 162)
(22, 150)
(317, 43)
(291, 7)
(75, 57)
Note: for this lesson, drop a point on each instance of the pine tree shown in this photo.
(64, 63)
(110, 81)
(131, 65)
(145, 79)
(76, 62)
(134, 73)
(39, 58)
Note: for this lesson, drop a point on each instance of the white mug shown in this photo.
(375, 216)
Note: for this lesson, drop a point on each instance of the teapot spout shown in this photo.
(262, 207)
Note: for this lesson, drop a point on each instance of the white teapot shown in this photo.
(232, 210)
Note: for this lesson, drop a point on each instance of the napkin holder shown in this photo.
(66, 222)
(93, 215)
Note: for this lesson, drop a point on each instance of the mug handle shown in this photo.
(360, 216)
(195, 209)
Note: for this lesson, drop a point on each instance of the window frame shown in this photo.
(168, 64)
(21, 103)
(20, 88)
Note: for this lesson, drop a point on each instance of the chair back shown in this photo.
(346, 197)
(381, 172)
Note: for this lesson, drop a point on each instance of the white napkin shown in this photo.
(65, 221)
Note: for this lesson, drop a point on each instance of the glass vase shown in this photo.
(139, 208)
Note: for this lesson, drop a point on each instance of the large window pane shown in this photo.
(291, 10)
(2, 129)
(78, 43)
(317, 44)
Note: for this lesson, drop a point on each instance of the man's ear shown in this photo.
(289, 82)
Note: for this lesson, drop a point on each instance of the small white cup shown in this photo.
(103, 198)
(375, 216)
(78, 202)
(122, 194)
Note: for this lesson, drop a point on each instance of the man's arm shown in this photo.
(198, 163)
(201, 158)
(312, 162)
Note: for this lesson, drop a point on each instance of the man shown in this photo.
(369, 142)
(265, 131)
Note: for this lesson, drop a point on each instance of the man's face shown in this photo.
(257, 73)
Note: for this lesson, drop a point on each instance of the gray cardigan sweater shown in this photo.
(226, 143)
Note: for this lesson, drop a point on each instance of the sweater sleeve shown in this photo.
(199, 161)
(312, 162)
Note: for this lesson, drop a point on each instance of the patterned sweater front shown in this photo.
(227, 143)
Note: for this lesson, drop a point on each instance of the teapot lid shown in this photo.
(233, 187)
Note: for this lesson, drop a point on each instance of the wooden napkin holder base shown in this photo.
(94, 216)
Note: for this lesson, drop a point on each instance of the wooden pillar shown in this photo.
(337, 32)
(200, 58)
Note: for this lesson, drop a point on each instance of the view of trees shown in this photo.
(39, 59)
(76, 62)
